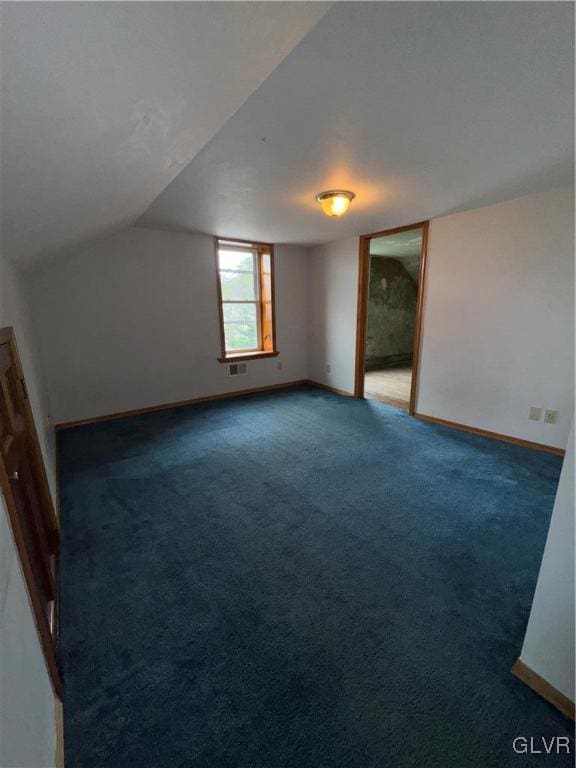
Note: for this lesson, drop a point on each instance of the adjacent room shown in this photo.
(392, 315)
(287, 384)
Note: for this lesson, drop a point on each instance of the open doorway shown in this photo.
(390, 295)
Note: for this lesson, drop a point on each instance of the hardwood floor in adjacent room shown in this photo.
(391, 386)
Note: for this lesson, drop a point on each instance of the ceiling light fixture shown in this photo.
(335, 202)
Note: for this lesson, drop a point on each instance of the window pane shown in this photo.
(240, 326)
(238, 286)
(238, 260)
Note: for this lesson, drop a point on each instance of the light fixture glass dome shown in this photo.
(335, 202)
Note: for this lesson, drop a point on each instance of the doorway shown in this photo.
(390, 296)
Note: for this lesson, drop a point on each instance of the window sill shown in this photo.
(234, 357)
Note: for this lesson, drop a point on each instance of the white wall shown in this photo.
(498, 326)
(549, 643)
(27, 723)
(333, 299)
(27, 706)
(499, 317)
(133, 322)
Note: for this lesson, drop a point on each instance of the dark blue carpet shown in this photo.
(298, 580)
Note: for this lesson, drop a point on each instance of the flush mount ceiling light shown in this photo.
(335, 202)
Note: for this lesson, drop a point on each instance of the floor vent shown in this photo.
(236, 369)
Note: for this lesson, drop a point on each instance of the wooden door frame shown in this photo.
(362, 307)
(46, 636)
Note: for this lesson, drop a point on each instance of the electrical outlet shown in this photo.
(550, 417)
(279, 365)
(534, 414)
(327, 369)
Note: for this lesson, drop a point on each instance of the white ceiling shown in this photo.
(104, 103)
(419, 108)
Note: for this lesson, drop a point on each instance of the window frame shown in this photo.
(263, 254)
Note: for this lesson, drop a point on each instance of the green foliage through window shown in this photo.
(238, 273)
(240, 326)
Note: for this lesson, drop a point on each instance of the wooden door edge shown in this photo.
(362, 308)
(8, 336)
(40, 620)
(45, 636)
(417, 345)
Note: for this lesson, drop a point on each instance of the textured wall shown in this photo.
(498, 331)
(332, 300)
(498, 323)
(133, 322)
(391, 313)
(549, 643)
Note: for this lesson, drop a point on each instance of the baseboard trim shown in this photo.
(493, 435)
(177, 404)
(543, 688)
(336, 391)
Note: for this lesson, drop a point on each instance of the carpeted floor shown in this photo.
(298, 580)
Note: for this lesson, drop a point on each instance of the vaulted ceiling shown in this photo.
(418, 108)
(104, 103)
(228, 118)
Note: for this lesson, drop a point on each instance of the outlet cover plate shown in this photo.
(534, 414)
(550, 417)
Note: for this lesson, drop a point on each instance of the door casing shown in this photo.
(46, 626)
(362, 308)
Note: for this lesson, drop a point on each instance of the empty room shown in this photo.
(286, 384)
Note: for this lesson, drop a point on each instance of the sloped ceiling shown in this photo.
(228, 118)
(400, 244)
(419, 108)
(104, 103)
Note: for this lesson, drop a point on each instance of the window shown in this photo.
(246, 296)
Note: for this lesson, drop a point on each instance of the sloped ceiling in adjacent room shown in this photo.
(104, 103)
(418, 108)
(399, 244)
(402, 246)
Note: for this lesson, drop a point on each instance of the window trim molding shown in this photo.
(234, 355)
